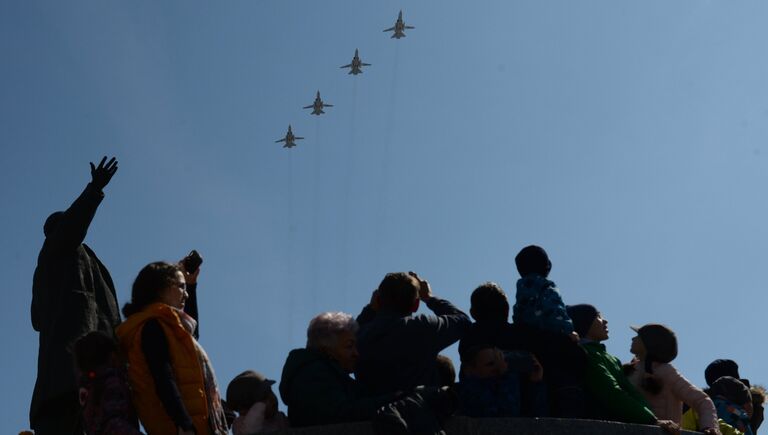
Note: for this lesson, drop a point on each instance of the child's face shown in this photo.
(488, 363)
(599, 329)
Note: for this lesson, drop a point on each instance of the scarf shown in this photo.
(216, 419)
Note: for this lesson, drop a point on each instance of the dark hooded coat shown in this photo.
(317, 391)
(398, 353)
(72, 294)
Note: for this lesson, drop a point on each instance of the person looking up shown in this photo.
(733, 402)
(538, 302)
(398, 350)
(490, 310)
(173, 383)
(611, 396)
(315, 383)
(72, 295)
(540, 312)
(250, 394)
(719, 368)
(665, 389)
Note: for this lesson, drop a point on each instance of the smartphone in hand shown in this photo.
(192, 261)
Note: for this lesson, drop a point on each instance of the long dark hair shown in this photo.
(153, 278)
(649, 382)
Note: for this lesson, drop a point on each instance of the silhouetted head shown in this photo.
(732, 390)
(719, 368)
(489, 304)
(582, 315)
(150, 285)
(533, 260)
(659, 341)
(446, 372)
(94, 350)
(52, 222)
(399, 292)
(334, 335)
(248, 388)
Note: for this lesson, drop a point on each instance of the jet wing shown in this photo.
(346, 66)
(390, 29)
(297, 138)
(409, 27)
(281, 140)
(327, 105)
(308, 107)
(365, 64)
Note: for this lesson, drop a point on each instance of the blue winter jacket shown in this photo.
(538, 303)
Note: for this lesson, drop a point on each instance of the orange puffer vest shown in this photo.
(187, 371)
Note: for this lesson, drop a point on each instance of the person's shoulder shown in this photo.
(420, 320)
(665, 370)
(535, 283)
(594, 347)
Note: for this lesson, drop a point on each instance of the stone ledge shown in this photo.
(506, 426)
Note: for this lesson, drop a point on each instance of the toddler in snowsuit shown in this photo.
(540, 310)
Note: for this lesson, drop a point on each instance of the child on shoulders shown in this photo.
(538, 301)
(540, 313)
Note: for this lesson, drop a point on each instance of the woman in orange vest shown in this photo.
(172, 381)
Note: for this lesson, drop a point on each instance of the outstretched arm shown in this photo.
(72, 225)
(190, 306)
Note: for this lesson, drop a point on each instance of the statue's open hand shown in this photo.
(101, 175)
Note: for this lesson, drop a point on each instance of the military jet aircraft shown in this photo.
(317, 106)
(289, 139)
(399, 27)
(356, 65)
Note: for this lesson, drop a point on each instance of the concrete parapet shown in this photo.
(505, 426)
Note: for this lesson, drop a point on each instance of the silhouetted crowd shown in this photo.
(100, 374)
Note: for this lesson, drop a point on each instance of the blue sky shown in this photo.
(627, 138)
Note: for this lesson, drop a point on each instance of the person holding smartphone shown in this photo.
(174, 387)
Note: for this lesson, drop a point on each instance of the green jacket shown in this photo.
(611, 395)
(317, 391)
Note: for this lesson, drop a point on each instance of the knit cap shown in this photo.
(719, 368)
(731, 389)
(660, 342)
(582, 315)
(248, 388)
